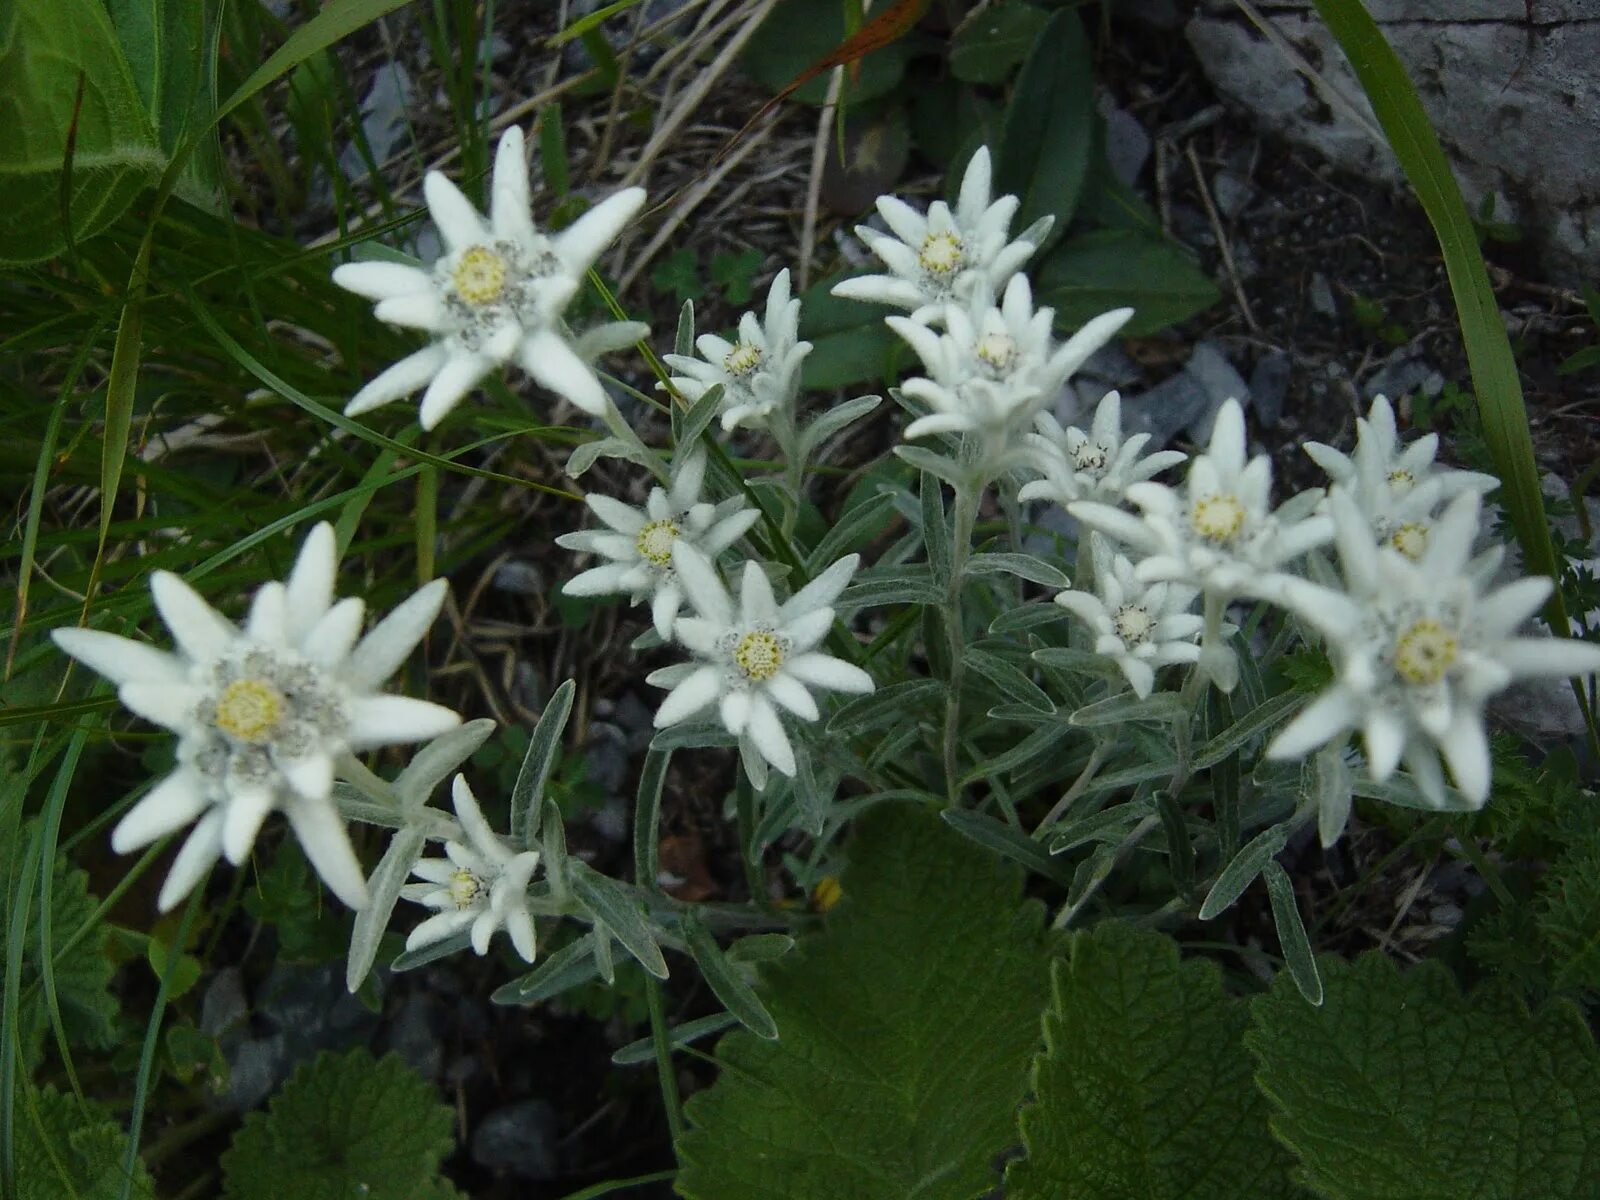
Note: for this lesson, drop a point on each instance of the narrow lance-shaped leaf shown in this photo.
(568, 967)
(647, 818)
(1292, 933)
(1241, 872)
(725, 981)
(383, 892)
(528, 792)
(611, 905)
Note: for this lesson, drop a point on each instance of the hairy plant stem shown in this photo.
(1096, 757)
(968, 496)
(665, 1075)
(1135, 836)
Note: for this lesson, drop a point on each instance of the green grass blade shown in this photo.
(1494, 370)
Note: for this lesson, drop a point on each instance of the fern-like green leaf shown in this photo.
(1144, 1091)
(904, 1028)
(1400, 1088)
(342, 1126)
(1568, 915)
(65, 1148)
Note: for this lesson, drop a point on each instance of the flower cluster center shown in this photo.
(1133, 624)
(759, 655)
(479, 276)
(1411, 539)
(1424, 652)
(464, 887)
(1402, 480)
(655, 540)
(997, 350)
(941, 253)
(249, 710)
(1091, 456)
(1217, 517)
(742, 359)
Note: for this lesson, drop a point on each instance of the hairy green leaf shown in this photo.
(71, 1148)
(904, 1033)
(344, 1125)
(1144, 1089)
(1400, 1088)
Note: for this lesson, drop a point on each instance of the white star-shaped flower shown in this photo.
(1418, 647)
(497, 293)
(640, 541)
(1140, 626)
(757, 659)
(944, 256)
(1398, 486)
(993, 367)
(1097, 465)
(482, 883)
(1219, 533)
(760, 374)
(264, 713)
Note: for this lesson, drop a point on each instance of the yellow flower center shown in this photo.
(997, 350)
(941, 253)
(1402, 481)
(480, 276)
(654, 542)
(1424, 652)
(742, 359)
(249, 710)
(1133, 624)
(1411, 539)
(759, 655)
(1217, 518)
(464, 887)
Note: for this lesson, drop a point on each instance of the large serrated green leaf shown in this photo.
(1400, 1088)
(69, 1147)
(53, 48)
(344, 1125)
(904, 1035)
(1144, 1089)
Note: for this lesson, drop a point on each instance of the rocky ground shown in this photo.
(1333, 292)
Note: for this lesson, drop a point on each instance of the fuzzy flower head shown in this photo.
(760, 373)
(995, 366)
(639, 542)
(1418, 647)
(481, 884)
(1219, 532)
(943, 256)
(1397, 486)
(1139, 626)
(497, 294)
(758, 658)
(264, 713)
(1097, 465)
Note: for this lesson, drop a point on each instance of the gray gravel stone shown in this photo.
(1321, 296)
(1269, 384)
(1403, 373)
(518, 1140)
(1221, 382)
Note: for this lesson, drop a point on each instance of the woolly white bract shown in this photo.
(760, 374)
(1398, 488)
(758, 658)
(481, 884)
(641, 541)
(1139, 626)
(1418, 647)
(944, 256)
(1097, 465)
(994, 367)
(497, 294)
(264, 713)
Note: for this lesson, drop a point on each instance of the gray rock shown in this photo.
(1165, 410)
(520, 578)
(384, 120)
(255, 1069)
(1320, 296)
(1127, 142)
(312, 1009)
(1269, 384)
(413, 1034)
(1111, 366)
(518, 1140)
(1495, 83)
(1403, 373)
(1220, 381)
(1232, 193)
(610, 820)
(607, 751)
(223, 1007)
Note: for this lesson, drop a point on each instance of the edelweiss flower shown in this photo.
(1398, 487)
(994, 367)
(760, 374)
(483, 884)
(264, 713)
(1219, 534)
(944, 256)
(641, 542)
(758, 659)
(1418, 647)
(1141, 626)
(497, 293)
(1098, 465)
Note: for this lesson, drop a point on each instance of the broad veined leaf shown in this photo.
(52, 49)
(904, 1033)
(993, 39)
(1143, 1090)
(71, 1147)
(1401, 1088)
(1092, 272)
